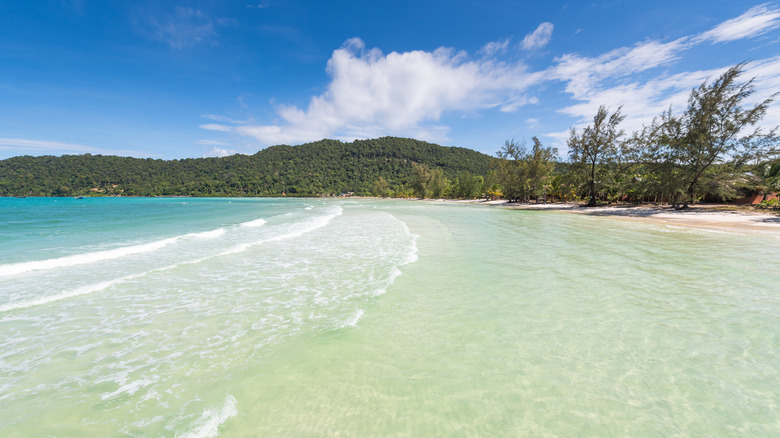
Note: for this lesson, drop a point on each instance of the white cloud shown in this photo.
(642, 101)
(373, 94)
(223, 119)
(612, 78)
(260, 5)
(767, 74)
(43, 145)
(495, 47)
(756, 21)
(538, 38)
(218, 152)
(216, 127)
(584, 74)
(213, 143)
(56, 147)
(184, 27)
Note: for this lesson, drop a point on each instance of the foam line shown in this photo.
(317, 223)
(211, 419)
(69, 294)
(98, 256)
(254, 223)
(314, 224)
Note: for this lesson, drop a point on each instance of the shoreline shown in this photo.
(712, 217)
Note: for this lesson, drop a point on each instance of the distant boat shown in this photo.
(79, 197)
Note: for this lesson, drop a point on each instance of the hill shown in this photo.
(314, 169)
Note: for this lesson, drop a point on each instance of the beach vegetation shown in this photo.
(524, 173)
(712, 151)
(715, 129)
(596, 149)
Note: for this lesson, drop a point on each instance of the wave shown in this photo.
(69, 294)
(208, 424)
(98, 256)
(411, 256)
(312, 225)
(254, 223)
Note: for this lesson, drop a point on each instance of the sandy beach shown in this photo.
(715, 217)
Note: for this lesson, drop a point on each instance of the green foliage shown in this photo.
(525, 174)
(467, 186)
(381, 188)
(438, 186)
(322, 168)
(594, 151)
(421, 175)
(713, 130)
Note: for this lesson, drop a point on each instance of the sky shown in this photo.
(189, 79)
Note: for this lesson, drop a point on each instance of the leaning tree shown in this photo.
(715, 128)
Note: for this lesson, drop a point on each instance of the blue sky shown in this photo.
(208, 78)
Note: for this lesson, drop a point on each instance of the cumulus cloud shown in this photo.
(538, 38)
(373, 94)
(756, 21)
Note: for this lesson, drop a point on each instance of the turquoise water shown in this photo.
(258, 317)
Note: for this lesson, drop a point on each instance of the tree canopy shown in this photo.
(314, 169)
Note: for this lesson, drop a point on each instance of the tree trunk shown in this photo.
(592, 200)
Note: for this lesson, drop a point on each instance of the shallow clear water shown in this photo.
(257, 317)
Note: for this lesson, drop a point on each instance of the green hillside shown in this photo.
(321, 168)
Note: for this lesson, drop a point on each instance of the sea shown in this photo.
(238, 317)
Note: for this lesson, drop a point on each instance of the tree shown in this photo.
(539, 164)
(437, 184)
(467, 186)
(510, 171)
(596, 146)
(380, 188)
(712, 130)
(420, 178)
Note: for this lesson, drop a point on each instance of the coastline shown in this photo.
(712, 217)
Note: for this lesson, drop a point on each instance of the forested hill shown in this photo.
(320, 168)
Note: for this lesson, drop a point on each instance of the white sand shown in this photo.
(712, 217)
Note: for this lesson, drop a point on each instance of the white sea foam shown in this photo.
(353, 320)
(204, 235)
(208, 424)
(98, 256)
(128, 388)
(306, 227)
(69, 294)
(411, 256)
(394, 273)
(254, 223)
